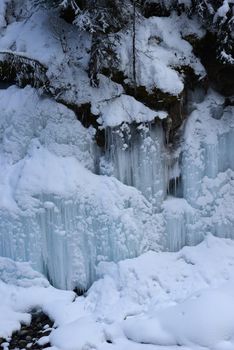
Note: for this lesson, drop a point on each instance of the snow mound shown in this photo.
(154, 279)
(84, 333)
(205, 319)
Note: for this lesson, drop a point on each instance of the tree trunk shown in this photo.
(134, 46)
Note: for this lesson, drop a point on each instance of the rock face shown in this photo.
(220, 74)
(112, 139)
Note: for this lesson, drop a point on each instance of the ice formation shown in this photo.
(66, 204)
(136, 155)
(208, 165)
(54, 211)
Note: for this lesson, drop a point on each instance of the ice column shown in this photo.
(137, 155)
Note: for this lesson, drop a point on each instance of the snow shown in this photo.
(205, 319)
(64, 51)
(43, 340)
(156, 279)
(21, 290)
(84, 333)
(61, 48)
(161, 51)
(222, 10)
(3, 6)
(125, 109)
(164, 300)
(226, 57)
(31, 39)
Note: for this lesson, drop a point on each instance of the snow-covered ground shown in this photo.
(167, 301)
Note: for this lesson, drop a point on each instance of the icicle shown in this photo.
(138, 158)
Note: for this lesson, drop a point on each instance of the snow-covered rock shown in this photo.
(160, 52)
(125, 109)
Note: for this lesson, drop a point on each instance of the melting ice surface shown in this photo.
(56, 213)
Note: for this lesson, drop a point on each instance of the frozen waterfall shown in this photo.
(58, 214)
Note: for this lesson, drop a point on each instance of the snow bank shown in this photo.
(164, 288)
(154, 279)
(183, 298)
(29, 121)
(166, 300)
(205, 319)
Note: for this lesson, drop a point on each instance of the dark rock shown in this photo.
(176, 106)
(221, 74)
(83, 113)
(68, 14)
(22, 343)
(28, 336)
(23, 332)
(155, 9)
